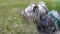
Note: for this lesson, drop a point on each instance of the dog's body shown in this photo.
(47, 20)
(45, 24)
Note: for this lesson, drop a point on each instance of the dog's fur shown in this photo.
(45, 24)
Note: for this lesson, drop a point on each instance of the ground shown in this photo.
(11, 21)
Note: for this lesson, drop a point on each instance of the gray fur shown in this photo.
(45, 24)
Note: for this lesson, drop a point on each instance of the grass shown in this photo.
(11, 21)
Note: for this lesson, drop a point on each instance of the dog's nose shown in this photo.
(23, 14)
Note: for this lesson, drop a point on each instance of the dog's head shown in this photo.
(33, 11)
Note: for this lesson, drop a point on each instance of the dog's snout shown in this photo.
(23, 14)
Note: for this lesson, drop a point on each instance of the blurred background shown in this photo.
(11, 21)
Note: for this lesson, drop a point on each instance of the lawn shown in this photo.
(11, 21)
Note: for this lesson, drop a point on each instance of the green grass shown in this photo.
(11, 21)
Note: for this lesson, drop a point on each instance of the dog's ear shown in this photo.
(44, 6)
(45, 9)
